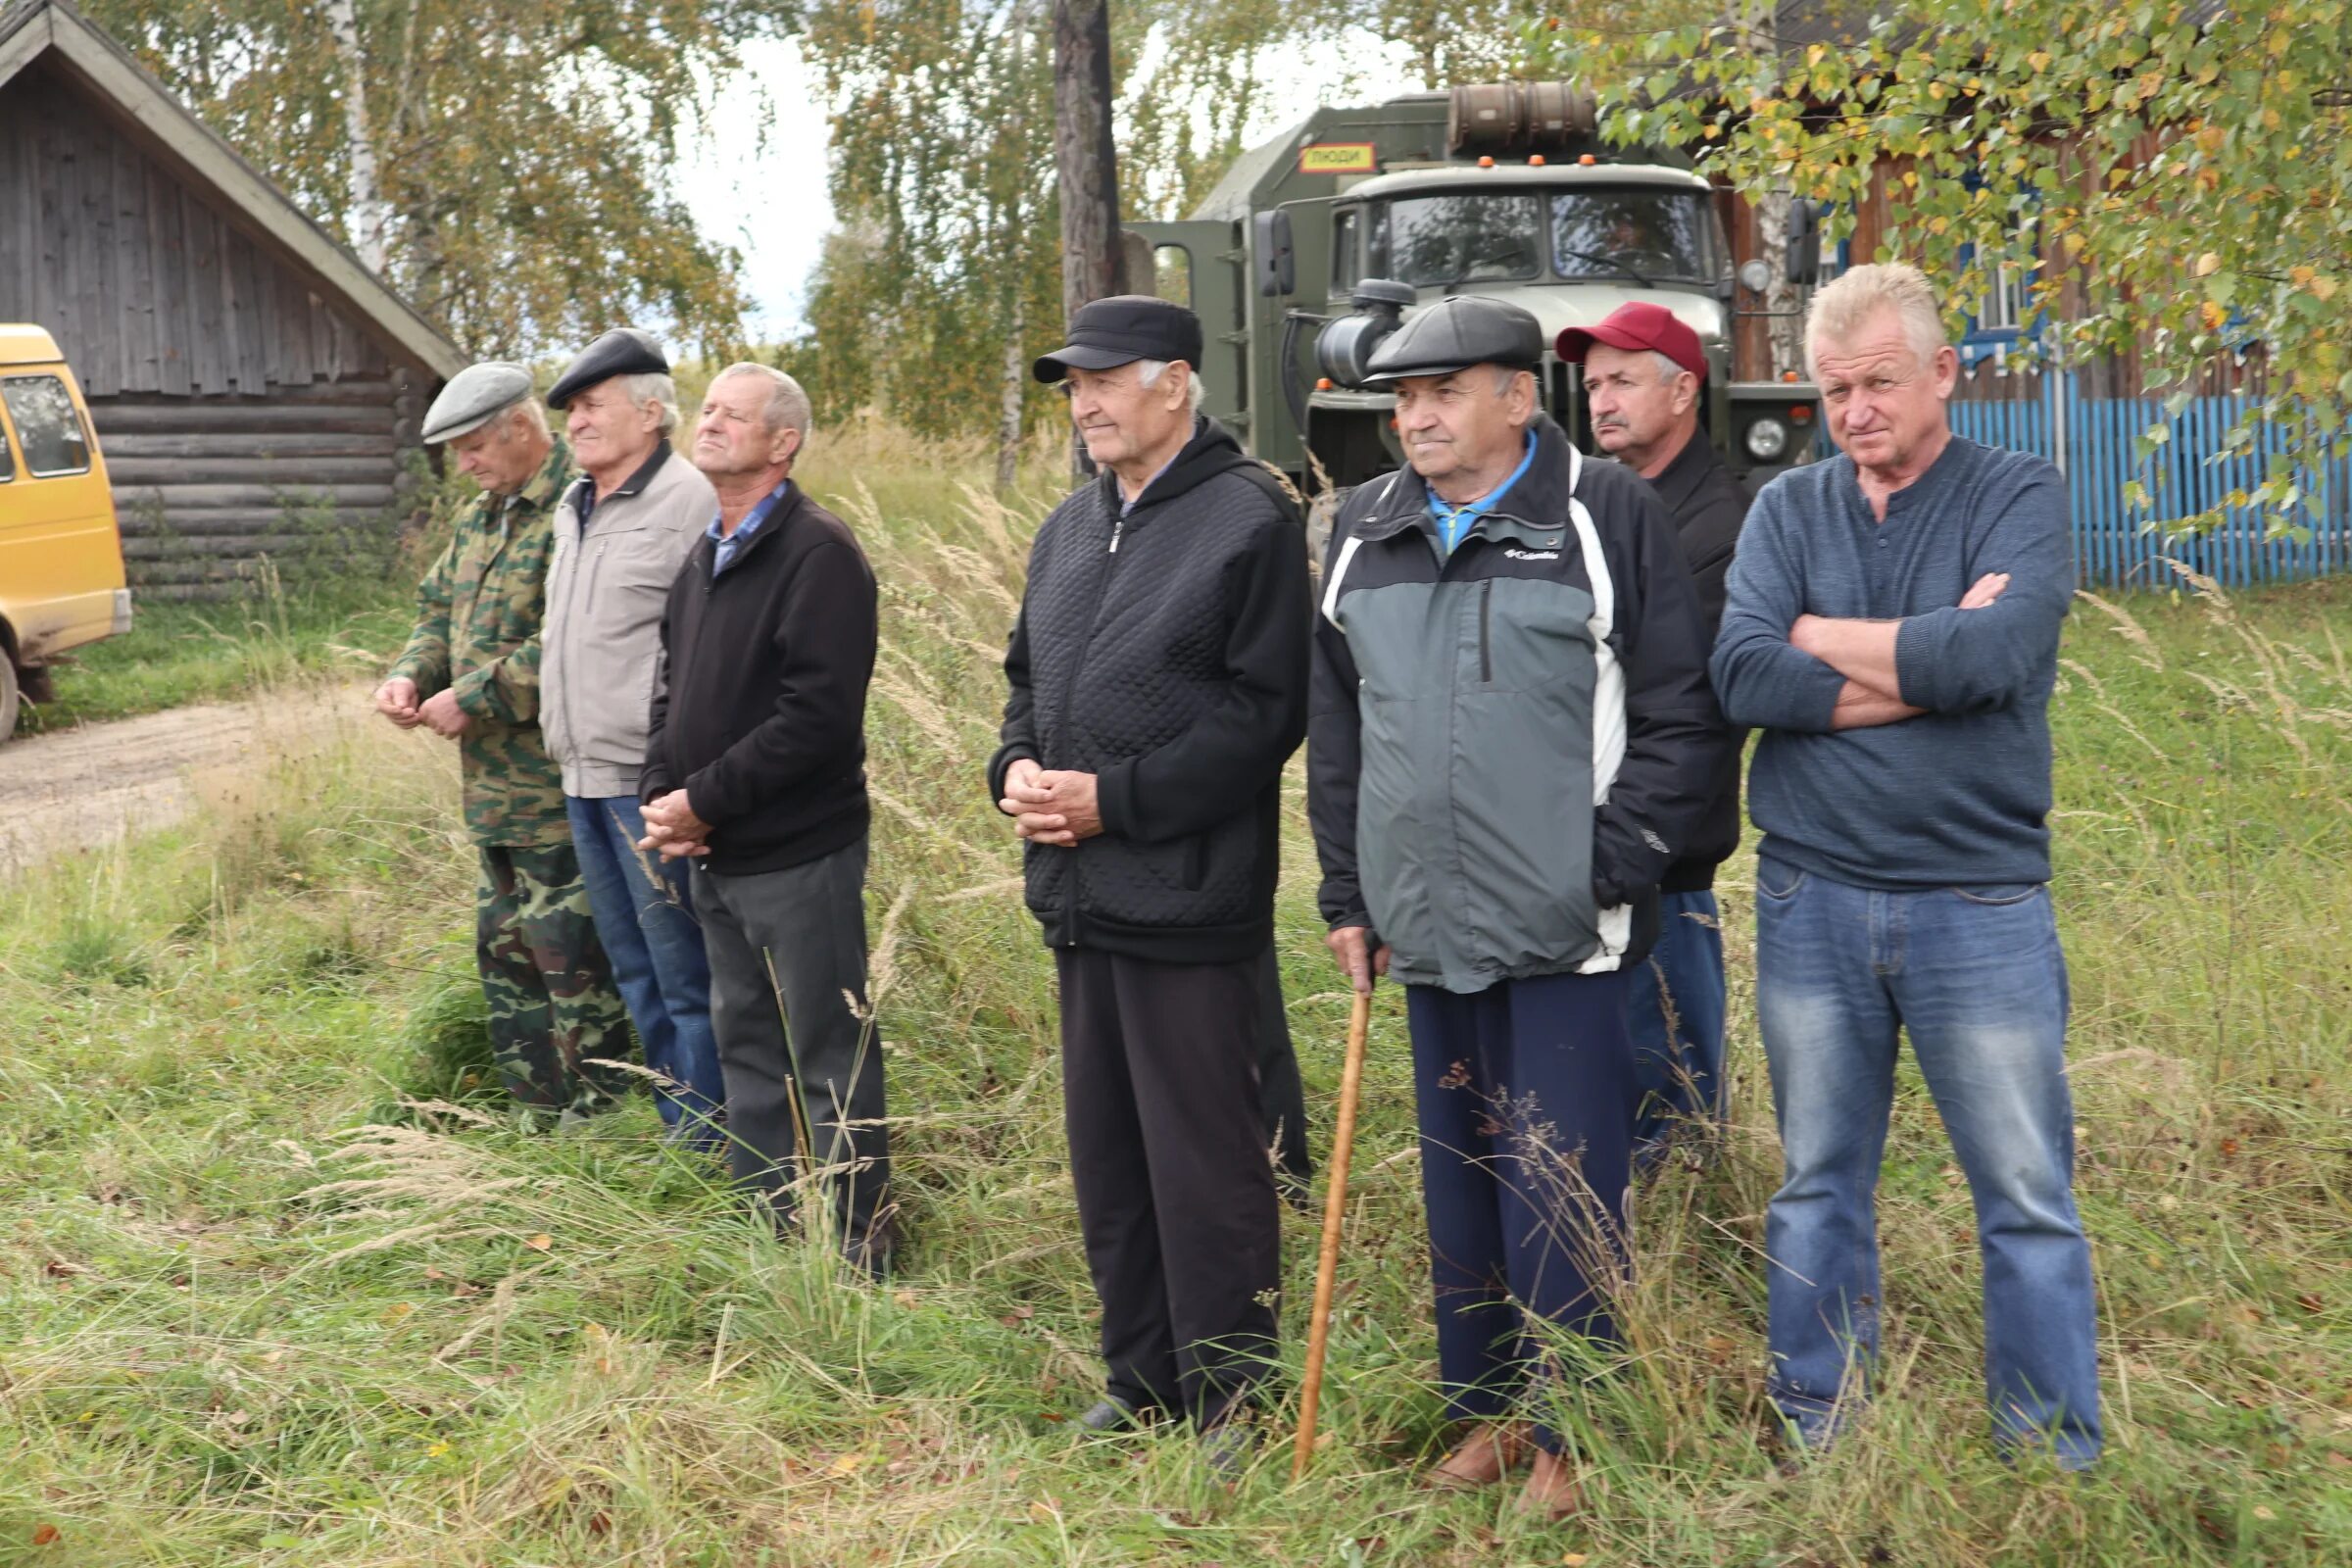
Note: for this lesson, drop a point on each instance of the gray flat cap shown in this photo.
(472, 396)
(1457, 332)
(623, 351)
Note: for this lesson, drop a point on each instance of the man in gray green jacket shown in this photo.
(1511, 739)
(622, 532)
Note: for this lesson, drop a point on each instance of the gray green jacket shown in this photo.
(603, 638)
(1506, 749)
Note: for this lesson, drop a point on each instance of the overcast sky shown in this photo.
(770, 203)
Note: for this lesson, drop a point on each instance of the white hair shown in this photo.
(524, 413)
(787, 406)
(1843, 306)
(1149, 371)
(653, 387)
(1668, 366)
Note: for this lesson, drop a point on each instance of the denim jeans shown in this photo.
(1975, 977)
(645, 918)
(1678, 1072)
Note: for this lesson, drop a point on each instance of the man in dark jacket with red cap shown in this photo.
(1158, 678)
(1643, 373)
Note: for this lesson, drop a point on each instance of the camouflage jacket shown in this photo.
(477, 634)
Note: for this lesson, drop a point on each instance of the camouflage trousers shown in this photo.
(552, 1001)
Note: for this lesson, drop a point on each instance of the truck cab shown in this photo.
(60, 552)
(1316, 243)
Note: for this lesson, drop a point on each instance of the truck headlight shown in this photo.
(1344, 348)
(1767, 439)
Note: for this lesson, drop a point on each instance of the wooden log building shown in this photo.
(256, 390)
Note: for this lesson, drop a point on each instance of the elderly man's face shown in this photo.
(733, 437)
(1120, 420)
(610, 434)
(1882, 402)
(1464, 424)
(1639, 405)
(501, 456)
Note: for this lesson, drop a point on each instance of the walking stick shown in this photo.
(1334, 1213)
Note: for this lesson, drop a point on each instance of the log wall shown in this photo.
(241, 414)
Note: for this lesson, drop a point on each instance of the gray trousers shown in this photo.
(798, 1033)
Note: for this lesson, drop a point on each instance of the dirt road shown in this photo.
(70, 790)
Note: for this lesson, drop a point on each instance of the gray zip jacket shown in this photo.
(600, 649)
(1507, 747)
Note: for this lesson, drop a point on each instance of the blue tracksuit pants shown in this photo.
(1527, 1097)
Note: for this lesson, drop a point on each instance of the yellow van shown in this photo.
(60, 552)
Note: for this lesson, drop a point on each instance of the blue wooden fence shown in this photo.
(2095, 441)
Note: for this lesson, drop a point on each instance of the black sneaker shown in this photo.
(1227, 1448)
(1111, 1416)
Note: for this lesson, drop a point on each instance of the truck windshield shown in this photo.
(1472, 237)
(1648, 234)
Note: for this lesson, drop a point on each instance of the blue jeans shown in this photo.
(1678, 1071)
(1975, 977)
(645, 918)
(1524, 1092)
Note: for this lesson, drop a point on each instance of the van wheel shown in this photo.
(8, 700)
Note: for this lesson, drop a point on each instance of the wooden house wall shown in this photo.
(241, 414)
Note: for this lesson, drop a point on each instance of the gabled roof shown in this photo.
(54, 33)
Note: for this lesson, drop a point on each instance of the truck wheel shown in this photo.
(7, 699)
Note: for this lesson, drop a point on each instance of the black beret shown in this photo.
(1457, 332)
(623, 351)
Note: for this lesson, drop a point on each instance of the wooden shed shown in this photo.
(256, 389)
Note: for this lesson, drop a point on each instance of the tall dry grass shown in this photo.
(255, 1310)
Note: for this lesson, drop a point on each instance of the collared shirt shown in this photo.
(1454, 521)
(726, 546)
(583, 494)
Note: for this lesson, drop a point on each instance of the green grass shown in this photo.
(254, 1311)
(181, 652)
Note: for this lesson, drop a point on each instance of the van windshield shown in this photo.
(42, 411)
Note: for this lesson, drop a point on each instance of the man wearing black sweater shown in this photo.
(1158, 678)
(756, 771)
(1644, 372)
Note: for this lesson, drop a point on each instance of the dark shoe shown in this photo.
(873, 1253)
(1111, 1416)
(1228, 1447)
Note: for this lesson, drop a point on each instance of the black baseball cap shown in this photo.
(1121, 329)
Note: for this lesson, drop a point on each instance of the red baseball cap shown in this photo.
(1634, 327)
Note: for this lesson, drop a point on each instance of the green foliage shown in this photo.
(944, 182)
(2175, 179)
(237, 1328)
(523, 148)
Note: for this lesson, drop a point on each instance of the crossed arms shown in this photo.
(1863, 652)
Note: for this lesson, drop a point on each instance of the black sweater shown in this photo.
(1708, 507)
(1167, 653)
(760, 709)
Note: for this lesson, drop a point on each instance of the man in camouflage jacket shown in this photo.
(470, 673)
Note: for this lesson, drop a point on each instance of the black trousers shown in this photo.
(1175, 1190)
(787, 956)
(1282, 1097)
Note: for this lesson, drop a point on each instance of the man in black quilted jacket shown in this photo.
(1158, 678)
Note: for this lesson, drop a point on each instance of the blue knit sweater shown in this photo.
(1959, 796)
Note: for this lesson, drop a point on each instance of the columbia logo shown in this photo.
(1516, 554)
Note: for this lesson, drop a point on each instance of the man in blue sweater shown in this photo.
(1892, 626)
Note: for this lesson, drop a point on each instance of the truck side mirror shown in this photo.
(1804, 242)
(1272, 259)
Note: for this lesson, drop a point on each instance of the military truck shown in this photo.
(1317, 243)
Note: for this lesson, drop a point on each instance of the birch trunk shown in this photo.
(367, 190)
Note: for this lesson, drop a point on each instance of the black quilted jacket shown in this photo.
(1167, 653)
